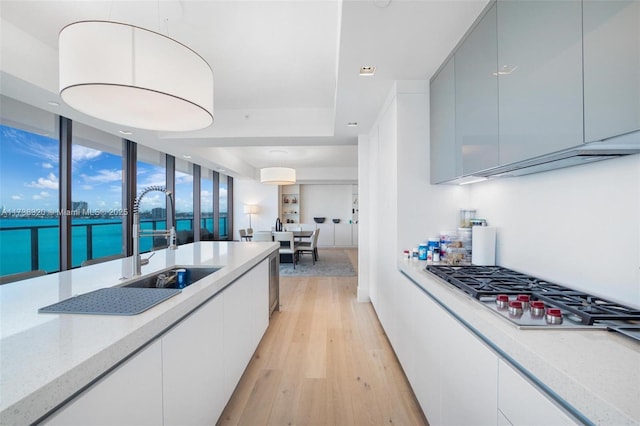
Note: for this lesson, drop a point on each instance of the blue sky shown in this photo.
(29, 172)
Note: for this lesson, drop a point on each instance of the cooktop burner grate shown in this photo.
(486, 282)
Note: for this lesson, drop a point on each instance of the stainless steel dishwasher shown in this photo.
(274, 282)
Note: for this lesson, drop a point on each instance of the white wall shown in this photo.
(249, 191)
(330, 201)
(578, 226)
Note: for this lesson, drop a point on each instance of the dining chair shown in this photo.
(262, 236)
(243, 235)
(311, 246)
(290, 249)
(249, 232)
(308, 226)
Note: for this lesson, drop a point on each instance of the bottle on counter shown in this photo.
(422, 251)
(414, 254)
(406, 255)
(436, 254)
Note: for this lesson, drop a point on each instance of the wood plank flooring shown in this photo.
(324, 360)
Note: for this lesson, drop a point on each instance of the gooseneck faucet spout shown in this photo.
(138, 233)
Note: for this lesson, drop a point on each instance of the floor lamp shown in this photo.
(250, 209)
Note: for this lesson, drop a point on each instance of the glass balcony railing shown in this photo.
(33, 244)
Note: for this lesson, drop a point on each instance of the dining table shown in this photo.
(299, 235)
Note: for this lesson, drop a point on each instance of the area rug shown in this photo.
(330, 263)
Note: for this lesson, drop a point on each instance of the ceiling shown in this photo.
(286, 73)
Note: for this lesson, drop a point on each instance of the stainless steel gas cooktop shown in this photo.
(531, 302)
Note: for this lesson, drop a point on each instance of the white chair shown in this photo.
(290, 249)
(249, 232)
(262, 236)
(308, 226)
(243, 235)
(310, 247)
(292, 227)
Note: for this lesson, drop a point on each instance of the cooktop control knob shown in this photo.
(554, 316)
(502, 301)
(515, 308)
(537, 308)
(525, 299)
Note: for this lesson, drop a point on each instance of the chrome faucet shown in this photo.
(139, 233)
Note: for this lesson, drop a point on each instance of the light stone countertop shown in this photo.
(595, 372)
(46, 358)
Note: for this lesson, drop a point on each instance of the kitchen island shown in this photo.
(456, 352)
(50, 361)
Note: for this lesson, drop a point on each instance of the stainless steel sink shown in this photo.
(168, 277)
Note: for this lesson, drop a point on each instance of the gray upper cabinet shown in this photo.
(611, 68)
(476, 97)
(443, 111)
(540, 77)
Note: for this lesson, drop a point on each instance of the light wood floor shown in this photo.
(324, 360)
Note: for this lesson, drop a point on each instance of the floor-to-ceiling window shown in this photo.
(151, 171)
(29, 176)
(96, 194)
(206, 205)
(184, 201)
(223, 196)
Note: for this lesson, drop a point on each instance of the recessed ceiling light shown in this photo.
(367, 70)
(53, 103)
(352, 124)
(277, 151)
(186, 156)
(126, 132)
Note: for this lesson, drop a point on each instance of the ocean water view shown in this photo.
(17, 235)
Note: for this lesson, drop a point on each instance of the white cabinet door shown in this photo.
(611, 68)
(325, 237)
(354, 234)
(193, 367)
(342, 234)
(540, 77)
(469, 377)
(246, 308)
(429, 341)
(522, 403)
(476, 101)
(444, 165)
(260, 301)
(452, 373)
(129, 395)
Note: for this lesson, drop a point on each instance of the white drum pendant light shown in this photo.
(278, 175)
(134, 77)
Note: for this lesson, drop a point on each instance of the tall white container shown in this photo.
(483, 245)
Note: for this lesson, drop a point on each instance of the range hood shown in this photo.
(618, 146)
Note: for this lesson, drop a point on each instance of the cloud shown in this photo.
(182, 178)
(42, 195)
(87, 187)
(50, 182)
(17, 197)
(41, 147)
(82, 153)
(157, 178)
(103, 176)
(47, 166)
